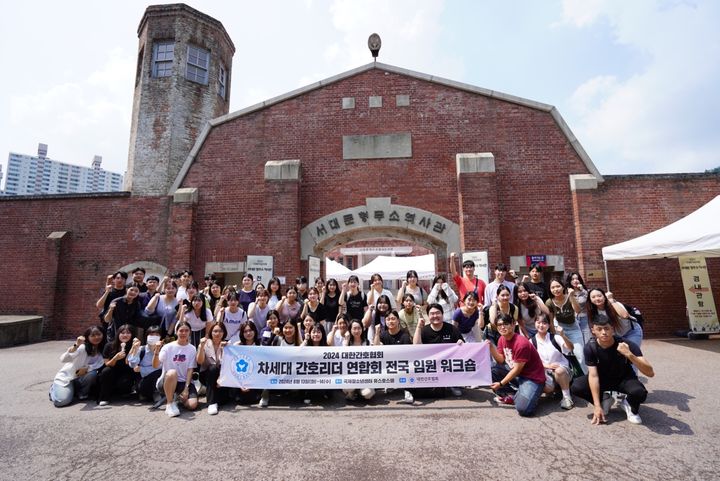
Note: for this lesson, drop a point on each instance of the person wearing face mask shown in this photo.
(140, 358)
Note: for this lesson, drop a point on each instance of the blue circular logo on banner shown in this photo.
(243, 368)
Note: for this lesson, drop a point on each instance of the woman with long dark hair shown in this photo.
(117, 377)
(563, 306)
(357, 335)
(601, 303)
(330, 298)
(410, 286)
(198, 316)
(531, 306)
(79, 374)
(375, 316)
(441, 293)
(575, 280)
(164, 303)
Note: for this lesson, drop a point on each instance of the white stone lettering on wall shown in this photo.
(380, 214)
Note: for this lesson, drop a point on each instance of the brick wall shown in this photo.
(625, 207)
(532, 159)
(105, 233)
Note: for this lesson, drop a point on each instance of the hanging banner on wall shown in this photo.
(261, 267)
(404, 366)
(480, 258)
(313, 270)
(698, 294)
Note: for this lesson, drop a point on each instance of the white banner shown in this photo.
(397, 366)
(313, 270)
(698, 295)
(261, 267)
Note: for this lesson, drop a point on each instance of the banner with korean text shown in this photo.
(399, 366)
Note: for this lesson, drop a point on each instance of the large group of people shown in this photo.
(163, 339)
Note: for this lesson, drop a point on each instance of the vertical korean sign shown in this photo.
(261, 267)
(313, 270)
(699, 297)
(480, 259)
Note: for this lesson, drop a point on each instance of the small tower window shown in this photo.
(197, 65)
(163, 54)
(222, 81)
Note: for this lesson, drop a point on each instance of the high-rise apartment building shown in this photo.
(37, 175)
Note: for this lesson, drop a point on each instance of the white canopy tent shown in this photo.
(335, 270)
(396, 268)
(697, 233)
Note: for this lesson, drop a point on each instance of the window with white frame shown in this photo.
(222, 81)
(163, 55)
(197, 65)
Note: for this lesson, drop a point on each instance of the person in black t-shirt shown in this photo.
(115, 288)
(138, 279)
(437, 332)
(353, 298)
(535, 283)
(610, 362)
(392, 335)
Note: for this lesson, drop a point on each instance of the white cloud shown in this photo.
(658, 118)
(79, 119)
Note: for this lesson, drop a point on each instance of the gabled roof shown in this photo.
(401, 71)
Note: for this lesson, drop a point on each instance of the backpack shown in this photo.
(575, 368)
(635, 314)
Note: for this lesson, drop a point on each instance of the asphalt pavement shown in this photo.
(436, 439)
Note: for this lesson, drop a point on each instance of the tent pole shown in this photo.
(607, 279)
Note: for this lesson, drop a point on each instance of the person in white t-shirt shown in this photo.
(557, 367)
(178, 360)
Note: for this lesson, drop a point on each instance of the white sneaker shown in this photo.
(264, 402)
(456, 391)
(367, 393)
(103, 403)
(409, 399)
(633, 418)
(567, 403)
(307, 401)
(172, 410)
(607, 402)
(213, 409)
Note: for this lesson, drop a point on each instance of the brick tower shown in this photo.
(182, 81)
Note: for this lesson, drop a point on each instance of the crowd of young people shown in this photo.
(163, 339)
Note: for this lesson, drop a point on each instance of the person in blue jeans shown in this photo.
(519, 369)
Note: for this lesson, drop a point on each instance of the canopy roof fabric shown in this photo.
(697, 233)
(394, 268)
(335, 270)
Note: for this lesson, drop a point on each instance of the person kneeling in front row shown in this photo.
(610, 362)
(526, 371)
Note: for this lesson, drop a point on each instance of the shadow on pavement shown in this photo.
(660, 423)
(680, 400)
(711, 345)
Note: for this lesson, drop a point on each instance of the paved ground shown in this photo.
(466, 438)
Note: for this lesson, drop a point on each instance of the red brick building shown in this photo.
(378, 152)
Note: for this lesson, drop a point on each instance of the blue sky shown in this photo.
(637, 81)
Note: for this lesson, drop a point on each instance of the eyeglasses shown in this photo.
(502, 324)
